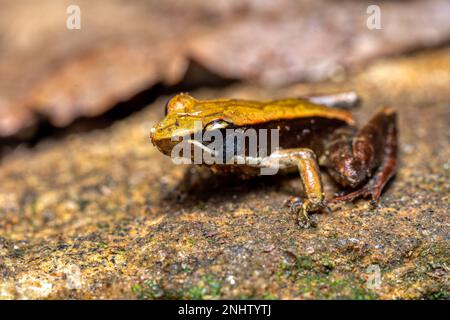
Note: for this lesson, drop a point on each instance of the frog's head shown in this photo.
(186, 116)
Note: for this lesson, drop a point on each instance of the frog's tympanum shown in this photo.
(312, 131)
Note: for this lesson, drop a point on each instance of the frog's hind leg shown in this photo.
(373, 148)
(305, 160)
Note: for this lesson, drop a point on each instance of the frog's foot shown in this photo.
(303, 208)
(373, 188)
(363, 192)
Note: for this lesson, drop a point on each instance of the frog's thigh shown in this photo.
(306, 161)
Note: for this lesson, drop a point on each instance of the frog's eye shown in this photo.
(175, 105)
(180, 103)
(217, 124)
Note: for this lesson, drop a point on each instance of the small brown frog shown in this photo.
(312, 131)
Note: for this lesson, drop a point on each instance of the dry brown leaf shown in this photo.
(124, 48)
(314, 44)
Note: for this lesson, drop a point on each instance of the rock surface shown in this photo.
(104, 215)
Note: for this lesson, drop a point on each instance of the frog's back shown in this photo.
(247, 112)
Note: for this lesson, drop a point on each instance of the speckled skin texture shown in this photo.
(105, 215)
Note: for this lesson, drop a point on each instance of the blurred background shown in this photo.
(90, 209)
(54, 75)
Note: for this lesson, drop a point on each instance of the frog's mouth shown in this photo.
(210, 143)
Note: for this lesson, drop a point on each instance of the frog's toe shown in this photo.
(303, 208)
(291, 201)
(307, 221)
(373, 203)
(363, 192)
(295, 204)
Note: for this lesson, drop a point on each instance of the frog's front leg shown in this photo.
(306, 161)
